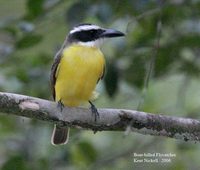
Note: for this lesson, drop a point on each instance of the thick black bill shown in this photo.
(109, 33)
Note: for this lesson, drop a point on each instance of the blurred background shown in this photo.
(155, 68)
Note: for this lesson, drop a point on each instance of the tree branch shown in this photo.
(110, 119)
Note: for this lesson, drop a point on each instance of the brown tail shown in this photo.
(60, 135)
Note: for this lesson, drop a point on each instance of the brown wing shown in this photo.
(102, 75)
(55, 66)
(54, 71)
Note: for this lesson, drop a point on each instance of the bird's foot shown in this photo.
(94, 111)
(60, 105)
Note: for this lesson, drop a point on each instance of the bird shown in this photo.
(77, 68)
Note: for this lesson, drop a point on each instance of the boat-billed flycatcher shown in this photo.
(77, 68)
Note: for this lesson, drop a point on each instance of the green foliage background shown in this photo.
(155, 68)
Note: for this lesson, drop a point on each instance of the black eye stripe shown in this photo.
(97, 31)
(86, 35)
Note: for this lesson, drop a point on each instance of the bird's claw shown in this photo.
(60, 105)
(94, 111)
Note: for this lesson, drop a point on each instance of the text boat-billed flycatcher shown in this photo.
(77, 68)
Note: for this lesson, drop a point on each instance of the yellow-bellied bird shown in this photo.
(77, 68)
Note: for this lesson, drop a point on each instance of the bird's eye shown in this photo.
(92, 31)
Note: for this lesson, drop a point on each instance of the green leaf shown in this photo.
(135, 73)
(165, 58)
(21, 74)
(35, 8)
(111, 79)
(15, 163)
(72, 17)
(189, 40)
(8, 125)
(88, 151)
(83, 154)
(190, 68)
(28, 40)
(11, 30)
(170, 53)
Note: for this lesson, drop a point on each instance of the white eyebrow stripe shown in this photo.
(85, 28)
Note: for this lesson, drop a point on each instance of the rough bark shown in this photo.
(110, 119)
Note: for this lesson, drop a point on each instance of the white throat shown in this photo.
(96, 43)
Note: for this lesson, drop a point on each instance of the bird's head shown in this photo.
(91, 35)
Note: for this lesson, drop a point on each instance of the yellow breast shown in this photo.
(77, 74)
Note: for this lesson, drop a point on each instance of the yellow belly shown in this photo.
(77, 74)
